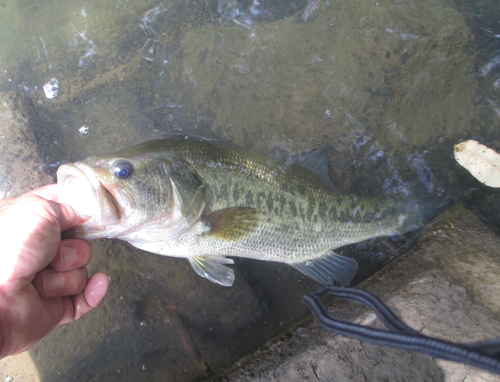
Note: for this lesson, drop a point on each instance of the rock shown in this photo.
(21, 165)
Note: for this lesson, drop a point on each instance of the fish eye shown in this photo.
(123, 170)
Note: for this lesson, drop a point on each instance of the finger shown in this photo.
(68, 217)
(52, 284)
(65, 216)
(76, 306)
(34, 231)
(72, 254)
(48, 192)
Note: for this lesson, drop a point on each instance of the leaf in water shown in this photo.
(481, 161)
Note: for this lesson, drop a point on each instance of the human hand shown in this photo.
(43, 280)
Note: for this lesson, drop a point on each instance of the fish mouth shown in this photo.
(79, 187)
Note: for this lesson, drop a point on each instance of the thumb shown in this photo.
(66, 215)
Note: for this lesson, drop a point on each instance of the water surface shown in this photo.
(389, 87)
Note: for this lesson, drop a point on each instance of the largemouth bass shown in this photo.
(203, 201)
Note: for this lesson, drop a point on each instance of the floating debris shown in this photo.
(84, 130)
(311, 7)
(481, 161)
(152, 50)
(149, 18)
(51, 88)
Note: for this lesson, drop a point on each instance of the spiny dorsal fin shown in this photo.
(329, 268)
(315, 161)
(232, 224)
(214, 269)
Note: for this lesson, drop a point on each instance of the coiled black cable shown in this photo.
(484, 355)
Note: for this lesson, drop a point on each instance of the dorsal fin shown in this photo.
(315, 161)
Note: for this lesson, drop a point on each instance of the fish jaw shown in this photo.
(79, 187)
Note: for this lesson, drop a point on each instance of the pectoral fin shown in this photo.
(232, 224)
(329, 268)
(214, 269)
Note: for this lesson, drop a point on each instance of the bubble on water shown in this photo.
(84, 130)
(51, 88)
(143, 324)
(309, 264)
(143, 367)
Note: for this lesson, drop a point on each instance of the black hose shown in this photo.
(484, 355)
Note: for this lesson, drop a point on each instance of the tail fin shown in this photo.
(425, 200)
(422, 209)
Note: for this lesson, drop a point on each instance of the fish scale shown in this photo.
(291, 226)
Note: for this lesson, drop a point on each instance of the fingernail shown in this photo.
(67, 254)
(52, 282)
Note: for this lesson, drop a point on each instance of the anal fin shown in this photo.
(329, 268)
(214, 269)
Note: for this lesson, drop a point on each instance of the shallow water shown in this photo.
(389, 87)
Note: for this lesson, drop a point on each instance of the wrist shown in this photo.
(3, 351)
(1, 341)
(7, 318)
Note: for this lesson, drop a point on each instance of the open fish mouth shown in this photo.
(79, 187)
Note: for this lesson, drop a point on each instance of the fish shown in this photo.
(209, 201)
